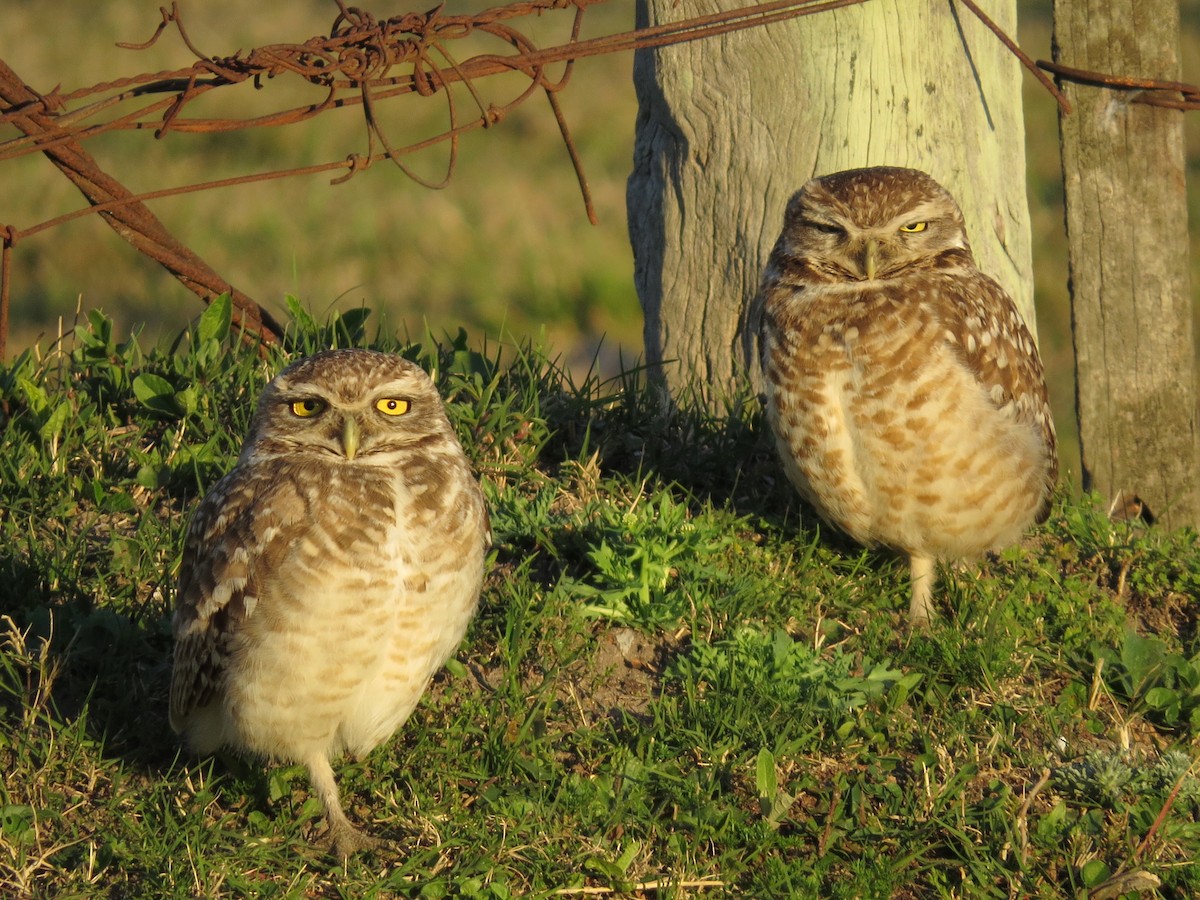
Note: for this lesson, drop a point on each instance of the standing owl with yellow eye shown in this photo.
(330, 574)
(906, 395)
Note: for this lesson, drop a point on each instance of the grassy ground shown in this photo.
(506, 247)
(676, 678)
(677, 685)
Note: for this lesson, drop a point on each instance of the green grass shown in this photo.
(678, 684)
(505, 248)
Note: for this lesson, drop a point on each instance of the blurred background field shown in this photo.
(506, 245)
(505, 250)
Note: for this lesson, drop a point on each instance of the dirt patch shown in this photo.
(1171, 614)
(621, 676)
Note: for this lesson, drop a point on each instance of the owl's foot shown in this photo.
(340, 837)
(344, 840)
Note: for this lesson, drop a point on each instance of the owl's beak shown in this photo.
(350, 435)
(871, 258)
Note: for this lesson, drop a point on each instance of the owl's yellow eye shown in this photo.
(308, 408)
(913, 227)
(392, 406)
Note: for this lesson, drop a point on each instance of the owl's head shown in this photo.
(354, 405)
(873, 224)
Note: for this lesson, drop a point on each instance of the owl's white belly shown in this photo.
(341, 666)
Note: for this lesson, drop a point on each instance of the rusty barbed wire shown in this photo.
(362, 62)
(1147, 91)
(355, 65)
(1020, 54)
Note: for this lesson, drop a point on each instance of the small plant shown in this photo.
(773, 802)
(1099, 778)
(1145, 673)
(636, 553)
(815, 690)
(1117, 805)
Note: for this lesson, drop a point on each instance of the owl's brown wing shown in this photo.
(217, 589)
(990, 337)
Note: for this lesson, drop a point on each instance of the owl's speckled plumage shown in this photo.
(906, 395)
(330, 574)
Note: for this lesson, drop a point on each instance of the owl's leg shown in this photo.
(920, 611)
(341, 837)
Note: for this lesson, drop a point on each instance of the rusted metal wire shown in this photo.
(1020, 54)
(127, 215)
(6, 246)
(362, 62)
(1147, 91)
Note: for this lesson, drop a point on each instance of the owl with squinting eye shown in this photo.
(905, 393)
(330, 574)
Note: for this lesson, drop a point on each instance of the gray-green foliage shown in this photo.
(1114, 778)
(676, 677)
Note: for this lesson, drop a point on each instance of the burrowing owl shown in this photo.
(330, 574)
(905, 393)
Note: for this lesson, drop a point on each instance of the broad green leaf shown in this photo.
(148, 387)
(1165, 701)
(156, 393)
(187, 399)
(151, 477)
(35, 395)
(1094, 872)
(1142, 658)
(214, 321)
(765, 779)
(628, 855)
(53, 426)
(352, 323)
